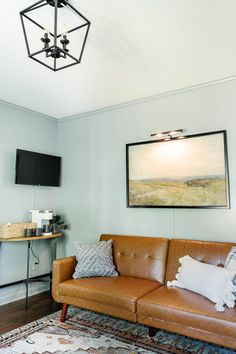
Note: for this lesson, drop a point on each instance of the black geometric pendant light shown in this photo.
(55, 33)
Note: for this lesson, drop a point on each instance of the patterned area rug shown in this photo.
(92, 333)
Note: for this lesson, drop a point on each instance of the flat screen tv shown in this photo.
(33, 168)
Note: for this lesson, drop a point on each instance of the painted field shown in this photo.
(200, 191)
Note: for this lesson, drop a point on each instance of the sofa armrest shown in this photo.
(62, 270)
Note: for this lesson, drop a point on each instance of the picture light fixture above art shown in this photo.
(170, 134)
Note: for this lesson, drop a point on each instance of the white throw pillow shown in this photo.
(213, 282)
(94, 260)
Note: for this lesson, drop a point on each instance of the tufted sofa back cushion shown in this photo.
(139, 257)
(204, 251)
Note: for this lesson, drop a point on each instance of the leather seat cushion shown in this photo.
(187, 308)
(121, 292)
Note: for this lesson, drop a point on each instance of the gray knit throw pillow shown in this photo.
(94, 260)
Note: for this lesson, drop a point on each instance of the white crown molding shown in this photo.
(150, 98)
(27, 110)
(120, 105)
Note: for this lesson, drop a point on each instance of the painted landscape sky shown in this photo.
(200, 156)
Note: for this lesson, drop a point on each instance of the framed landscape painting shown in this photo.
(184, 172)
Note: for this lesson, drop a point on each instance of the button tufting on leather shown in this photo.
(149, 258)
(134, 256)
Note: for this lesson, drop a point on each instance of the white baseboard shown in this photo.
(17, 292)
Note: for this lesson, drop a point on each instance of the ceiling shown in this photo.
(135, 49)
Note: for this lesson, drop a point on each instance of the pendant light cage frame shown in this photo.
(56, 51)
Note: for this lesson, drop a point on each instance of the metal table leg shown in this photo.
(27, 280)
(53, 249)
(27, 275)
(53, 244)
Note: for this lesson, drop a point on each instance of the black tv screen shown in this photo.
(37, 169)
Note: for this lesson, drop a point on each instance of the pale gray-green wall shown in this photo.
(93, 194)
(19, 129)
(93, 191)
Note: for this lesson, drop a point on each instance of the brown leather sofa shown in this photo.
(139, 293)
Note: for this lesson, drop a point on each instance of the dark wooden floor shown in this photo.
(14, 315)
